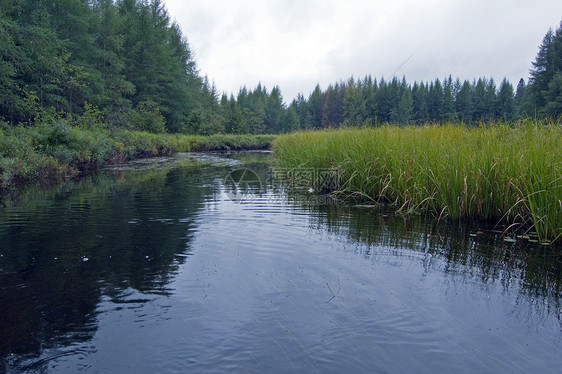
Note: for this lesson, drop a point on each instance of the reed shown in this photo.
(511, 173)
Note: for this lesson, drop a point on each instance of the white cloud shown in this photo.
(298, 43)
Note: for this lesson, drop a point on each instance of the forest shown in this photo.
(124, 64)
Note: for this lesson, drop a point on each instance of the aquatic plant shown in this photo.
(506, 172)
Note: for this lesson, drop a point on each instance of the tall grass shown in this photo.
(219, 142)
(506, 172)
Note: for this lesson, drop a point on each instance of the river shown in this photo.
(206, 263)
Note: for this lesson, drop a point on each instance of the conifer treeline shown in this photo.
(124, 63)
(124, 57)
(395, 101)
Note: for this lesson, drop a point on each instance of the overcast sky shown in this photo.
(296, 44)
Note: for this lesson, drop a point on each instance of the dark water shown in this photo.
(170, 269)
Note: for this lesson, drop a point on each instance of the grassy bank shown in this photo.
(509, 173)
(220, 142)
(54, 152)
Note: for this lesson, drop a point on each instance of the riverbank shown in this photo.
(51, 153)
(510, 173)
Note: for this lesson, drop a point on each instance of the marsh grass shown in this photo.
(511, 173)
(228, 142)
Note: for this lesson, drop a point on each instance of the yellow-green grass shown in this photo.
(219, 142)
(506, 172)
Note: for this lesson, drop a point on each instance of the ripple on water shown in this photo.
(179, 278)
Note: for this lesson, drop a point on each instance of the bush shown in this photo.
(147, 117)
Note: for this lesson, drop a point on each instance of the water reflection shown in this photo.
(163, 264)
(120, 235)
(534, 270)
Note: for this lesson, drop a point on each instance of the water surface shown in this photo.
(145, 269)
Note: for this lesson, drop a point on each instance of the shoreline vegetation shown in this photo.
(52, 153)
(510, 173)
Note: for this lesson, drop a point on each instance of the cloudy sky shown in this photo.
(296, 44)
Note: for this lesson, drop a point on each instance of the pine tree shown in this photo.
(402, 114)
(479, 101)
(235, 123)
(8, 51)
(115, 91)
(291, 119)
(449, 113)
(545, 67)
(505, 105)
(435, 101)
(520, 97)
(313, 116)
(332, 110)
(553, 97)
(371, 88)
(274, 111)
(464, 103)
(355, 103)
(419, 96)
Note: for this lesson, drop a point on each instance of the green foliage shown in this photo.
(124, 64)
(147, 117)
(137, 144)
(357, 101)
(74, 56)
(505, 104)
(402, 114)
(553, 96)
(232, 142)
(58, 149)
(499, 172)
(92, 117)
(543, 92)
(388, 101)
(48, 153)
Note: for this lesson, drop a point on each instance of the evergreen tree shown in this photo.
(479, 101)
(370, 89)
(332, 110)
(435, 101)
(449, 113)
(184, 88)
(520, 97)
(74, 23)
(491, 100)
(274, 112)
(235, 122)
(301, 108)
(9, 98)
(505, 105)
(388, 97)
(464, 103)
(40, 59)
(115, 90)
(313, 116)
(355, 103)
(419, 96)
(402, 114)
(291, 119)
(553, 97)
(545, 67)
